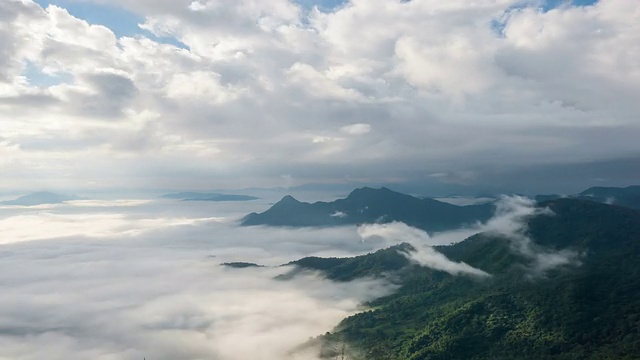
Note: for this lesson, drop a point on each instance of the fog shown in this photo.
(134, 279)
(510, 220)
(424, 254)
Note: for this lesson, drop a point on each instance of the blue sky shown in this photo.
(125, 23)
(120, 21)
(551, 4)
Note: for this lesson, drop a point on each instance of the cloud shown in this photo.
(134, 279)
(510, 222)
(425, 88)
(424, 254)
(356, 129)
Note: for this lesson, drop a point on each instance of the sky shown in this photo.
(511, 95)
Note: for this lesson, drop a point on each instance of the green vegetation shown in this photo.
(590, 309)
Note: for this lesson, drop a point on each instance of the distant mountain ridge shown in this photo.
(198, 196)
(367, 205)
(40, 198)
(627, 197)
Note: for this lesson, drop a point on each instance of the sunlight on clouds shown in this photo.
(419, 72)
(46, 225)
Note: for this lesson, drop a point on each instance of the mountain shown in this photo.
(367, 205)
(588, 309)
(241, 265)
(40, 198)
(345, 269)
(196, 196)
(627, 197)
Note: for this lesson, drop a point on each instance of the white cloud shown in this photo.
(356, 129)
(510, 222)
(424, 254)
(440, 84)
(129, 281)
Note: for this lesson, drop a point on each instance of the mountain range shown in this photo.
(367, 205)
(197, 196)
(627, 197)
(588, 308)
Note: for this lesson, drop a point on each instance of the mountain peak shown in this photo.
(368, 205)
(288, 200)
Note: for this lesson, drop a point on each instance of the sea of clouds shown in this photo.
(131, 279)
(134, 279)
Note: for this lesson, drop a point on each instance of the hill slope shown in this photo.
(586, 310)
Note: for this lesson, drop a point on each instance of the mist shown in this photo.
(423, 254)
(129, 279)
(135, 279)
(509, 222)
(512, 213)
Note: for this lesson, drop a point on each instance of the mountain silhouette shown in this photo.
(367, 205)
(40, 198)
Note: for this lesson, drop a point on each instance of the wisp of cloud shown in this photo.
(423, 254)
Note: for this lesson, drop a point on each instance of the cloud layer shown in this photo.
(263, 90)
(129, 279)
(132, 279)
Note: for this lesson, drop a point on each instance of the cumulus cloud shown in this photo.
(256, 80)
(131, 279)
(424, 254)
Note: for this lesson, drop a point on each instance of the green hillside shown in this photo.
(586, 310)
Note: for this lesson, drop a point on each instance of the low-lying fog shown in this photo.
(134, 279)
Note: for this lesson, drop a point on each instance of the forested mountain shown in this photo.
(367, 205)
(627, 197)
(588, 308)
